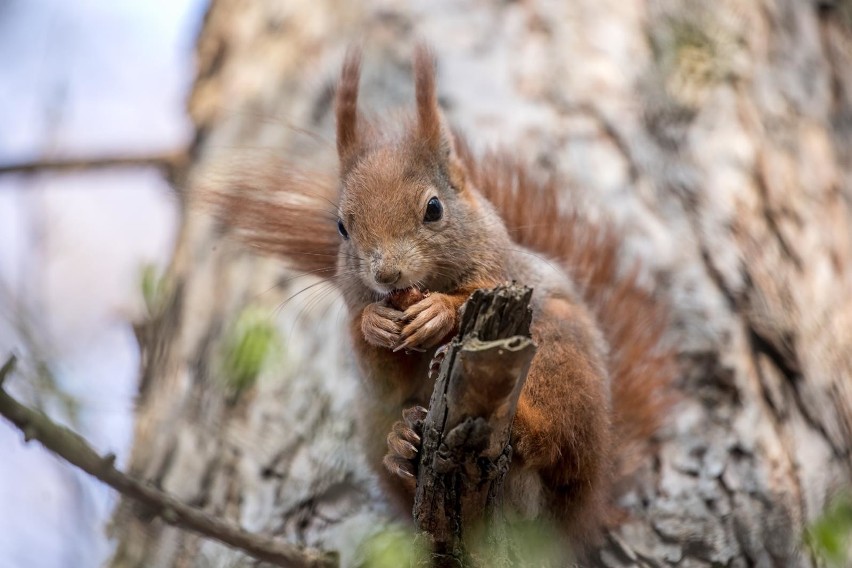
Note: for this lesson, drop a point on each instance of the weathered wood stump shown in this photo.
(466, 452)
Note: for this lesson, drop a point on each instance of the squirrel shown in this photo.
(422, 222)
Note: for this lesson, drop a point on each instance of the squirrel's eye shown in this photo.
(434, 211)
(342, 230)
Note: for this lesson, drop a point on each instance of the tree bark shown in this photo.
(716, 134)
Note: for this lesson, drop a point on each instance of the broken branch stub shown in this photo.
(465, 451)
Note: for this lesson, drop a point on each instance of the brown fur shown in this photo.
(598, 387)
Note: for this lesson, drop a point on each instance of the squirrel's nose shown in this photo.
(387, 276)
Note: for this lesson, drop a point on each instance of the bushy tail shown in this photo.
(281, 211)
(642, 369)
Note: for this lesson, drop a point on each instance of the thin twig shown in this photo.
(168, 161)
(7, 368)
(75, 450)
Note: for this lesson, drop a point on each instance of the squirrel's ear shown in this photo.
(429, 126)
(430, 123)
(346, 107)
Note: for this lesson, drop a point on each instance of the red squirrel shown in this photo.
(422, 223)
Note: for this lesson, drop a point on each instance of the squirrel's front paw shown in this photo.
(404, 446)
(429, 322)
(381, 325)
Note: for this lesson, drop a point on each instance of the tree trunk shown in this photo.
(716, 134)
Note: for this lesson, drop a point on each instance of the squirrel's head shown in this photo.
(407, 215)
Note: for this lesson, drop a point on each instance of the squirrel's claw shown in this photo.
(401, 468)
(404, 445)
(381, 325)
(429, 322)
(414, 418)
(403, 440)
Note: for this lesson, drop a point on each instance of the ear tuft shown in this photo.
(428, 114)
(346, 106)
(430, 122)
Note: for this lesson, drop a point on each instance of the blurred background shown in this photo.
(93, 80)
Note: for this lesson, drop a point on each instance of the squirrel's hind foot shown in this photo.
(404, 446)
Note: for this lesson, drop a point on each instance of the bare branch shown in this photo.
(75, 450)
(168, 161)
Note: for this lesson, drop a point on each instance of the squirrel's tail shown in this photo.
(280, 210)
(641, 367)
